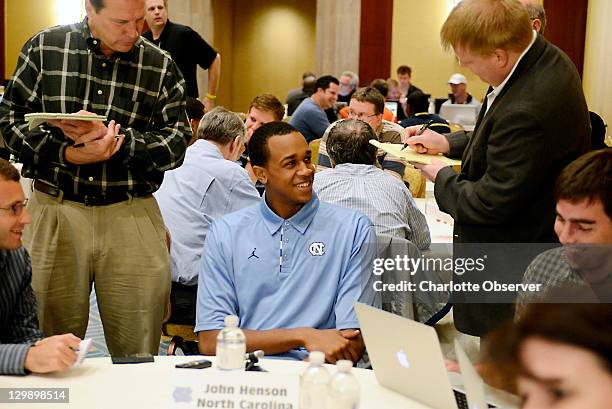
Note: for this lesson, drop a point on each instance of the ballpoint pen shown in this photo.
(421, 130)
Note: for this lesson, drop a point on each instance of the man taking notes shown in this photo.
(277, 267)
(94, 218)
(528, 129)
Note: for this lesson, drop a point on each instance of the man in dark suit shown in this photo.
(533, 122)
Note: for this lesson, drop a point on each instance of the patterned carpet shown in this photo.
(96, 332)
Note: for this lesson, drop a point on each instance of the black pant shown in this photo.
(183, 299)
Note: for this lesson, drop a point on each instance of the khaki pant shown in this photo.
(121, 247)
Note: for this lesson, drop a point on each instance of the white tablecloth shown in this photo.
(100, 384)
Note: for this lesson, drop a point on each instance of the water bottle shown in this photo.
(344, 388)
(231, 346)
(314, 383)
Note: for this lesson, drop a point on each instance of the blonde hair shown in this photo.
(482, 26)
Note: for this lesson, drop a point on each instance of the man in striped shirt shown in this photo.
(22, 347)
(94, 217)
(356, 183)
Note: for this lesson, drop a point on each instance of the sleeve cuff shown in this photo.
(12, 359)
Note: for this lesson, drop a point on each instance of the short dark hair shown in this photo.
(349, 142)
(269, 103)
(97, 4)
(324, 81)
(258, 144)
(381, 85)
(418, 102)
(404, 69)
(221, 126)
(195, 109)
(588, 177)
(8, 172)
(371, 95)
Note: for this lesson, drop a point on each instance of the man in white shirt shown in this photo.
(207, 186)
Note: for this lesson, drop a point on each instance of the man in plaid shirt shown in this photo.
(583, 195)
(94, 219)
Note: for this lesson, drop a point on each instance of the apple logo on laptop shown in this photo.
(402, 358)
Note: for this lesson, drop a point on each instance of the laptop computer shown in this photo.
(462, 114)
(392, 106)
(406, 358)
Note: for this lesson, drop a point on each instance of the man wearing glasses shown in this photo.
(22, 347)
(368, 105)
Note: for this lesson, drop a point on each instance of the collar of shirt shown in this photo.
(498, 89)
(299, 221)
(355, 169)
(209, 148)
(94, 43)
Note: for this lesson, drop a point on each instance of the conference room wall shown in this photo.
(416, 43)
(597, 77)
(272, 43)
(23, 19)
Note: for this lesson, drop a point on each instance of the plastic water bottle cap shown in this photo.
(316, 357)
(344, 365)
(231, 321)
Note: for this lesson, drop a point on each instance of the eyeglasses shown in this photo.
(16, 209)
(361, 115)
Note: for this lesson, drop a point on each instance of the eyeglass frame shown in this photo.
(16, 209)
(361, 117)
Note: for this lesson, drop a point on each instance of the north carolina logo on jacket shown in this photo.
(317, 248)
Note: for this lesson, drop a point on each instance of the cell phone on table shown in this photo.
(199, 364)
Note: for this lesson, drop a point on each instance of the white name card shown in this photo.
(237, 390)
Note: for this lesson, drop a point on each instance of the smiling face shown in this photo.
(562, 376)
(585, 230)
(117, 25)
(328, 97)
(11, 225)
(156, 14)
(288, 174)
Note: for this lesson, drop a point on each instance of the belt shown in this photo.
(87, 200)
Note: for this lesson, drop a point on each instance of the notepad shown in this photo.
(409, 155)
(38, 118)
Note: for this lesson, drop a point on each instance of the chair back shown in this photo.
(314, 149)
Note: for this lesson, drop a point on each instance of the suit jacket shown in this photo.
(504, 192)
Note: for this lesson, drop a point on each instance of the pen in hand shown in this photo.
(421, 130)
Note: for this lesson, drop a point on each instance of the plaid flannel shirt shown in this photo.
(61, 69)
